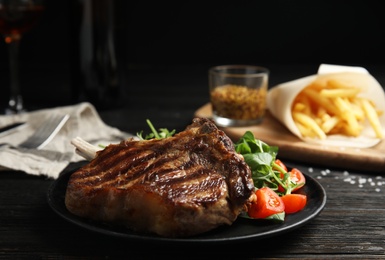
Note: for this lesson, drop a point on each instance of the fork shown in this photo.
(45, 133)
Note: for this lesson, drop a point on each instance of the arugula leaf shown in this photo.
(279, 217)
(261, 158)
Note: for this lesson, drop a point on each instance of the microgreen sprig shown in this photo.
(163, 132)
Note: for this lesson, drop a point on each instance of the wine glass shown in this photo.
(17, 17)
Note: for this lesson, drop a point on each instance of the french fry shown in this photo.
(329, 123)
(334, 107)
(357, 110)
(320, 101)
(352, 127)
(346, 92)
(371, 113)
(300, 107)
(305, 131)
(309, 123)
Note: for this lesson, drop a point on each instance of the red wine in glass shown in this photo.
(17, 17)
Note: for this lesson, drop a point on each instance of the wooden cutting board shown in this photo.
(272, 132)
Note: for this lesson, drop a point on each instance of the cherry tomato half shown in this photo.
(294, 202)
(297, 177)
(268, 203)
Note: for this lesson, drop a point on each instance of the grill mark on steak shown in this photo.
(179, 186)
(113, 165)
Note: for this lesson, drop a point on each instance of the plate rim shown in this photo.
(284, 227)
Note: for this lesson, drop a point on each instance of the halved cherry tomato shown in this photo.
(295, 176)
(280, 164)
(268, 203)
(294, 202)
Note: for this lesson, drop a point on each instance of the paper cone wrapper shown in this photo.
(280, 99)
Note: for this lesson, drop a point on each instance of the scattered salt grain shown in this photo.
(361, 182)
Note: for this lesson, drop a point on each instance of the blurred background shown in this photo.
(165, 43)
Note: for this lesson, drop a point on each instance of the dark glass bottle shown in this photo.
(94, 63)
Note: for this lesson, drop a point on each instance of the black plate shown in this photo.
(242, 229)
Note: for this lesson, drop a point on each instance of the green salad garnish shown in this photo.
(162, 133)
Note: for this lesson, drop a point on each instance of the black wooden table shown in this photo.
(351, 225)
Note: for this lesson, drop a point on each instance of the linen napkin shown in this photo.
(84, 121)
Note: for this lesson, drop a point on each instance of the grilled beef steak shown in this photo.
(179, 186)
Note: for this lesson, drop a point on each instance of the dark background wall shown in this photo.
(257, 31)
(160, 34)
